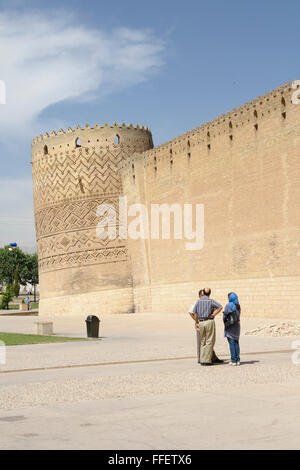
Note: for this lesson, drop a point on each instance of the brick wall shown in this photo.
(245, 168)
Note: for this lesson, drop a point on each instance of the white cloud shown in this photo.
(46, 60)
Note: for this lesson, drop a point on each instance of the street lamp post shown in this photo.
(12, 248)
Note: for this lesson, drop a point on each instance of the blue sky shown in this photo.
(170, 65)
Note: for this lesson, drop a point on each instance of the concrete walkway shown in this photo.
(140, 387)
(252, 418)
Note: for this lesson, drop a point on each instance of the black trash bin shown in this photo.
(92, 326)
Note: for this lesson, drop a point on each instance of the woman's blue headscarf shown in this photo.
(233, 301)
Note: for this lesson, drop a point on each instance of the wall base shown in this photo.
(92, 303)
(262, 297)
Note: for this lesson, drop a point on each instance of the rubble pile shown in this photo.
(276, 329)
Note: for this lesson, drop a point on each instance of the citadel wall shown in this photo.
(245, 168)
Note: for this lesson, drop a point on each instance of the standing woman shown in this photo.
(231, 318)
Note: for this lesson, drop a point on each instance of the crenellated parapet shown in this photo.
(253, 116)
(87, 138)
(277, 101)
(246, 124)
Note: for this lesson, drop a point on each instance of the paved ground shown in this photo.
(140, 387)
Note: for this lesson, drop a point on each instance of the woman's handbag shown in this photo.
(231, 319)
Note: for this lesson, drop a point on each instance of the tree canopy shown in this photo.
(16, 266)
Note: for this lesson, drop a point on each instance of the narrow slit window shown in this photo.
(45, 150)
(81, 185)
(77, 142)
(117, 139)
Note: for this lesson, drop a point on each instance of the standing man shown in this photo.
(215, 359)
(204, 313)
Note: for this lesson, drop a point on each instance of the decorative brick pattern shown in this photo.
(74, 172)
(86, 257)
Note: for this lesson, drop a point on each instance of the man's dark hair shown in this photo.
(201, 292)
(207, 291)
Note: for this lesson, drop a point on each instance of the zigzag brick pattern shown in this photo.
(70, 182)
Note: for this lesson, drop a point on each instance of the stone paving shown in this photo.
(140, 386)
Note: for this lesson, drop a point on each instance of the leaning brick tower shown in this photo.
(74, 171)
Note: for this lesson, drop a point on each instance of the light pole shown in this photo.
(12, 248)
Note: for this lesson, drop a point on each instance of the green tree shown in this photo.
(18, 268)
(7, 296)
(9, 260)
(30, 271)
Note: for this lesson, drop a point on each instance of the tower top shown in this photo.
(96, 136)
